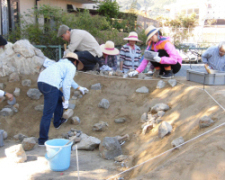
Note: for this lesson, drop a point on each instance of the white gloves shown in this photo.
(83, 90)
(132, 73)
(150, 72)
(157, 59)
(65, 104)
(105, 68)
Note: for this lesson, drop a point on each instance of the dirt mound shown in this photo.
(187, 104)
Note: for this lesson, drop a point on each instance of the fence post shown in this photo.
(60, 54)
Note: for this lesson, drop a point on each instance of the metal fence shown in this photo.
(53, 52)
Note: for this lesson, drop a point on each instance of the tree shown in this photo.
(108, 9)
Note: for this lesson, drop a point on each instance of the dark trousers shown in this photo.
(52, 104)
(88, 60)
(175, 67)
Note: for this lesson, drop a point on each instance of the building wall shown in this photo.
(60, 3)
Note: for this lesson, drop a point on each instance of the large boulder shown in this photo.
(110, 148)
(22, 58)
(87, 143)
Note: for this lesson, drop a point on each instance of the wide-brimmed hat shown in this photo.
(72, 55)
(150, 31)
(3, 42)
(62, 30)
(133, 36)
(109, 48)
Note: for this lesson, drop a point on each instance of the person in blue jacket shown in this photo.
(50, 80)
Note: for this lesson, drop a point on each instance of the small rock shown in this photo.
(34, 93)
(68, 114)
(161, 84)
(16, 153)
(100, 126)
(17, 106)
(123, 138)
(145, 127)
(120, 120)
(104, 104)
(177, 142)
(143, 89)
(141, 76)
(87, 143)
(5, 135)
(159, 107)
(119, 73)
(160, 113)
(205, 121)
(71, 106)
(26, 82)
(75, 120)
(172, 82)
(6, 112)
(17, 92)
(14, 77)
(2, 86)
(110, 148)
(96, 86)
(120, 158)
(39, 107)
(164, 129)
(19, 137)
(76, 93)
(28, 143)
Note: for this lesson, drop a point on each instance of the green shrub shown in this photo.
(50, 18)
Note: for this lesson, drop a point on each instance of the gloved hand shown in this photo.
(105, 68)
(65, 104)
(157, 59)
(150, 72)
(132, 73)
(83, 90)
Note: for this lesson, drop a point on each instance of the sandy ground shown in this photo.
(200, 159)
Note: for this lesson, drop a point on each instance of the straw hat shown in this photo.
(109, 48)
(133, 36)
(150, 31)
(72, 55)
(62, 30)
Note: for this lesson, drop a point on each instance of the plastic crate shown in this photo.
(205, 78)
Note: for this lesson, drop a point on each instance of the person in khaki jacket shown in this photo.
(84, 44)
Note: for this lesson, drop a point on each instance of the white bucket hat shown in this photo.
(150, 31)
(133, 36)
(109, 48)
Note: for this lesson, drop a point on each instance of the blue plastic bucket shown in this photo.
(58, 154)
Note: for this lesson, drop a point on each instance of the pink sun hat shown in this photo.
(133, 36)
(109, 48)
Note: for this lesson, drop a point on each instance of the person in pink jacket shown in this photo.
(161, 53)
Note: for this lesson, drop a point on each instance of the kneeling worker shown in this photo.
(83, 44)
